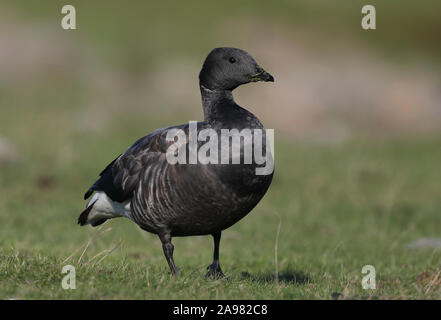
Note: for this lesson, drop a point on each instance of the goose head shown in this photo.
(227, 68)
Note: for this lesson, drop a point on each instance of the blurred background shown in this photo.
(356, 114)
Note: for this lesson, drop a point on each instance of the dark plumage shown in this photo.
(187, 199)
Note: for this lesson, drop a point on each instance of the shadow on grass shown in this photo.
(287, 276)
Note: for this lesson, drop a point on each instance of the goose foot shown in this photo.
(175, 272)
(215, 271)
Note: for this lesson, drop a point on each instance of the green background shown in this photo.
(356, 116)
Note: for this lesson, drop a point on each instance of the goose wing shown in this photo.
(120, 178)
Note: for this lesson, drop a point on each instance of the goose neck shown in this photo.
(214, 102)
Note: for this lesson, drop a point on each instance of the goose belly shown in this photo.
(190, 200)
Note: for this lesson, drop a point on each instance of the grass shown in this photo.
(341, 208)
(166, 29)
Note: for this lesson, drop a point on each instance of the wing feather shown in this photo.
(120, 178)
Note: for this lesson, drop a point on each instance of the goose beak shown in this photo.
(262, 75)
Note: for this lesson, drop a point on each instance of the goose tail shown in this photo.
(101, 208)
(83, 219)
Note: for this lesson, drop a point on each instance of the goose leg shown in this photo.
(214, 269)
(168, 248)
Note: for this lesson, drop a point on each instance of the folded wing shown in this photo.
(120, 178)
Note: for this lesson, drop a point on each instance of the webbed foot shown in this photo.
(215, 271)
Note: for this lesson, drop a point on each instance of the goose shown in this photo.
(188, 199)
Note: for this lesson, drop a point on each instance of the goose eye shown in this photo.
(232, 60)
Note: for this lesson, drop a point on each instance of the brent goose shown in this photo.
(186, 199)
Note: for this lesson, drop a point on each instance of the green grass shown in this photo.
(341, 208)
(154, 30)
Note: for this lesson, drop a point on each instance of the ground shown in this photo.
(340, 208)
